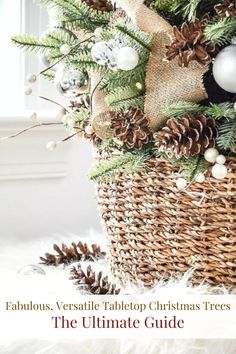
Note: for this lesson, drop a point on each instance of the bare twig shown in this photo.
(27, 129)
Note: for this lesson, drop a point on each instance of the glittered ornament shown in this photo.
(127, 58)
(71, 82)
(102, 125)
(105, 53)
(219, 171)
(224, 69)
(30, 270)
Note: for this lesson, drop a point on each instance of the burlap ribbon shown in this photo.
(166, 82)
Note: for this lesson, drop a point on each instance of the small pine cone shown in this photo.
(187, 137)
(99, 5)
(131, 128)
(190, 44)
(226, 8)
(82, 101)
(91, 284)
(75, 253)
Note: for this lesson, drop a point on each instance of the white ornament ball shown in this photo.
(51, 145)
(65, 49)
(211, 155)
(181, 183)
(31, 78)
(200, 178)
(28, 91)
(98, 32)
(219, 171)
(224, 69)
(235, 106)
(127, 58)
(89, 130)
(33, 116)
(221, 159)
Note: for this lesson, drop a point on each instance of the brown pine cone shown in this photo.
(90, 283)
(187, 137)
(190, 44)
(226, 8)
(82, 101)
(131, 128)
(76, 252)
(99, 5)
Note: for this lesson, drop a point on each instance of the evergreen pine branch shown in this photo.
(193, 166)
(129, 32)
(107, 144)
(227, 135)
(122, 78)
(49, 44)
(125, 97)
(222, 110)
(76, 119)
(127, 163)
(190, 10)
(49, 75)
(178, 109)
(78, 15)
(221, 32)
(85, 61)
(31, 43)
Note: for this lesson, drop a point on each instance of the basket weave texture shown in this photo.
(156, 231)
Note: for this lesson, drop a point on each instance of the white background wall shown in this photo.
(41, 193)
(34, 203)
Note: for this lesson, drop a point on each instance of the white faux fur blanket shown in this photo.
(56, 281)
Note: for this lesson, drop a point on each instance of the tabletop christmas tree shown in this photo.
(153, 85)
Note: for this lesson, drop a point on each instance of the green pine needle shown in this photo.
(49, 75)
(178, 109)
(124, 98)
(135, 35)
(127, 163)
(227, 135)
(123, 78)
(31, 43)
(222, 110)
(76, 119)
(190, 10)
(222, 31)
(193, 166)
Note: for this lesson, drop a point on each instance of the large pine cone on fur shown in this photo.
(227, 8)
(190, 44)
(187, 137)
(131, 128)
(99, 5)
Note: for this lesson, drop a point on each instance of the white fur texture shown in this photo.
(12, 258)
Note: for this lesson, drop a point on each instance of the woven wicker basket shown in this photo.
(156, 231)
